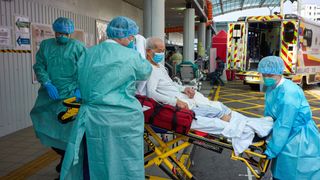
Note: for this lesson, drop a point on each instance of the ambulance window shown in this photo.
(237, 31)
(237, 27)
(308, 36)
(289, 32)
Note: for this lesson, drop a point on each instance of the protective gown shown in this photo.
(56, 63)
(110, 115)
(295, 140)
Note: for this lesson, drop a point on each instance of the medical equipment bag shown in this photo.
(167, 117)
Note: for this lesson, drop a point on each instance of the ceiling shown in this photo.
(174, 8)
(220, 7)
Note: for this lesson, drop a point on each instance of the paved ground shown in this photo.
(23, 157)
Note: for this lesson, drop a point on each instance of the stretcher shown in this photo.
(171, 157)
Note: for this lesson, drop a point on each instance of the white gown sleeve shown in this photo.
(152, 92)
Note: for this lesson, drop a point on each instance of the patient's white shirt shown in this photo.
(161, 87)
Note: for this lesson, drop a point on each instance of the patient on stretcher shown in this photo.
(211, 116)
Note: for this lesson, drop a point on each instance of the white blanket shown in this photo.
(240, 129)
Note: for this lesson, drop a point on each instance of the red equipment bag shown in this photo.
(167, 117)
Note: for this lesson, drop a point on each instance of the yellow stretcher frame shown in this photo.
(165, 154)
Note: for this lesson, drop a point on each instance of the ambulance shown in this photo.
(295, 39)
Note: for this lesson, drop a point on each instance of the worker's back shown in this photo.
(108, 72)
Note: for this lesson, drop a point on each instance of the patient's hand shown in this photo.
(189, 92)
(226, 117)
(181, 104)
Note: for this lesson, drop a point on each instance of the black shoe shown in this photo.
(58, 168)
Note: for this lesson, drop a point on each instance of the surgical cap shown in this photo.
(63, 25)
(122, 27)
(271, 65)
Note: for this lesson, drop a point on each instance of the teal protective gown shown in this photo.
(295, 140)
(56, 63)
(110, 116)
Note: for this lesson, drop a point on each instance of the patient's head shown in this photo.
(155, 50)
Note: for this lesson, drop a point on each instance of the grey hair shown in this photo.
(152, 41)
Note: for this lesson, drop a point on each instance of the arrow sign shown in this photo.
(22, 24)
(23, 41)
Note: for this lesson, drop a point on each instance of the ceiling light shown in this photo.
(178, 8)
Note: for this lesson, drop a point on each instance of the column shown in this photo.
(188, 35)
(154, 18)
(202, 34)
(208, 39)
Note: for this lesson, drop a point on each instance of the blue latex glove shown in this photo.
(77, 94)
(52, 90)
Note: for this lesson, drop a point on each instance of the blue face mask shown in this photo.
(62, 39)
(158, 57)
(269, 82)
(131, 45)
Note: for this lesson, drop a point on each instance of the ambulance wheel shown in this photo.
(303, 83)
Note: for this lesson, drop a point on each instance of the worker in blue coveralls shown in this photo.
(294, 146)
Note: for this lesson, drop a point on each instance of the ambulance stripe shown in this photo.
(287, 66)
(265, 18)
(288, 69)
(284, 44)
(290, 59)
(283, 52)
(230, 44)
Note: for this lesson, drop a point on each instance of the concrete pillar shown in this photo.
(202, 34)
(208, 39)
(188, 35)
(153, 18)
(299, 7)
(281, 7)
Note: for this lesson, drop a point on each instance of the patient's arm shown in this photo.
(152, 85)
(180, 87)
(189, 92)
(182, 104)
(186, 90)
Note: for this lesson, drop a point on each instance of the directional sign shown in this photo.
(22, 32)
(23, 41)
(22, 24)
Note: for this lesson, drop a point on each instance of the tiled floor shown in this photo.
(47, 173)
(20, 148)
